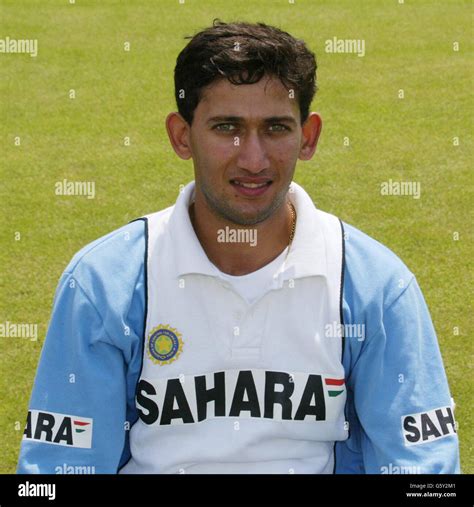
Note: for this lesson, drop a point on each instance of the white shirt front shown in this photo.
(253, 286)
(232, 386)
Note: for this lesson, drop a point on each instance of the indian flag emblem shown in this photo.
(80, 426)
(335, 386)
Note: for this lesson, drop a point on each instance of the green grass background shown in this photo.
(408, 46)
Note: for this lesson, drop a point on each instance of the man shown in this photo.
(241, 330)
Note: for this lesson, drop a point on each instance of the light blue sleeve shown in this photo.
(399, 407)
(82, 403)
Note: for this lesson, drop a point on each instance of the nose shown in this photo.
(252, 153)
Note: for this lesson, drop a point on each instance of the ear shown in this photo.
(178, 133)
(311, 130)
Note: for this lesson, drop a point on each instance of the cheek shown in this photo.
(208, 148)
(207, 145)
(284, 151)
(218, 154)
(212, 158)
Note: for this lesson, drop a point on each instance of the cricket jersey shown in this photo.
(156, 362)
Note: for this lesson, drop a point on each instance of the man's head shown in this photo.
(243, 93)
(243, 53)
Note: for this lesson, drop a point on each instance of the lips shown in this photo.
(251, 187)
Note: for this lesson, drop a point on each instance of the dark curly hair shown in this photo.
(243, 53)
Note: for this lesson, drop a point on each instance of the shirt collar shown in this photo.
(307, 254)
(306, 257)
(189, 255)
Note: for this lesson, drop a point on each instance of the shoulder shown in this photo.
(371, 263)
(110, 271)
(119, 252)
(374, 276)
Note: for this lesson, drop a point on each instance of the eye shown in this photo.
(225, 127)
(279, 127)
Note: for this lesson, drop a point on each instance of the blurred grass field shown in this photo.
(129, 93)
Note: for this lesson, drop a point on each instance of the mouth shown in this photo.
(251, 187)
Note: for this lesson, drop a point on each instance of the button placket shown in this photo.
(247, 342)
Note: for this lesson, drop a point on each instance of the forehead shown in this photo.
(267, 97)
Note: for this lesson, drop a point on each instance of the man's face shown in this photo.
(245, 142)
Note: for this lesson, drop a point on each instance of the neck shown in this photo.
(237, 249)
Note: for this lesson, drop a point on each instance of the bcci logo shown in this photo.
(164, 344)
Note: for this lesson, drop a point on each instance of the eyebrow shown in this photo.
(239, 119)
